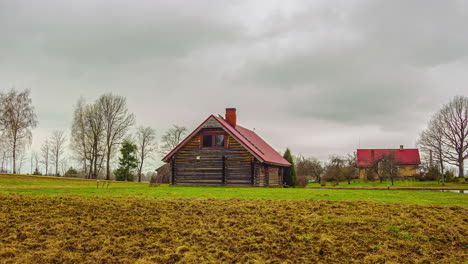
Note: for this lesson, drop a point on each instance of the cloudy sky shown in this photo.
(320, 77)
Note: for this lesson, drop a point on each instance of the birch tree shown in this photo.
(172, 138)
(117, 121)
(57, 146)
(79, 140)
(17, 119)
(45, 153)
(146, 145)
(36, 161)
(4, 153)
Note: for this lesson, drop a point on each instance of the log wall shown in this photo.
(267, 175)
(274, 177)
(215, 166)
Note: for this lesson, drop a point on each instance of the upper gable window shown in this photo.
(213, 140)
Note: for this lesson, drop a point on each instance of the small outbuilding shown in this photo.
(221, 152)
(163, 174)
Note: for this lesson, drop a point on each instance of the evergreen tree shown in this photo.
(290, 175)
(127, 162)
(36, 172)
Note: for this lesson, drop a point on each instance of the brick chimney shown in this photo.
(401, 147)
(231, 116)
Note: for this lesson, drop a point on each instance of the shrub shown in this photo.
(459, 180)
(302, 181)
(449, 176)
(71, 172)
(371, 175)
(323, 183)
(153, 181)
(433, 174)
(36, 172)
(122, 174)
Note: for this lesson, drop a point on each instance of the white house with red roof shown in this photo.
(221, 152)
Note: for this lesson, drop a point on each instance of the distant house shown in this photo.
(408, 160)
(221, 152)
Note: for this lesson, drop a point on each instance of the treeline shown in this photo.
(445, 140)
(96, 137)
(100, 130)
(337, 168)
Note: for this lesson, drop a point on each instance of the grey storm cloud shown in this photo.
(329, 73)
(372, 63)
(112, 32)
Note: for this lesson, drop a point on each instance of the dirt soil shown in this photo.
(77, 229)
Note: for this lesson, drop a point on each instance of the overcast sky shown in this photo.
(320, 77)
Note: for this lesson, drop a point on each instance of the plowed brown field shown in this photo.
(77, 229)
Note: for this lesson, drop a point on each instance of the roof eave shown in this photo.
(278, 164)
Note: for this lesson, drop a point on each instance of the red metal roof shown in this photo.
(249, 139)
(255, 143)
(365, 157)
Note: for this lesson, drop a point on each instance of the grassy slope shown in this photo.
(59, 186)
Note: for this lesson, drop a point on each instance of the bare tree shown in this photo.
(4, 160)
(32, 162)
(79, 142)
(146, 145)
(334, 169)
(386, 166)
(4, 152)
(21, 154)
(57, 145)
(17, 118)
(36, 161)
(316, 169)
(390, 165)
(46, 153)
(117, 121)
(453, 124)
(95, 135)
(431, 144)
(349, 169)
(172, 138)
(64, 166)
(311, 167)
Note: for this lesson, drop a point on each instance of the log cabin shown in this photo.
(408, 161)
(221, 152)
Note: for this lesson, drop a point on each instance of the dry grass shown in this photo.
(80, 229)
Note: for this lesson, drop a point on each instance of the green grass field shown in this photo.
(413, 184)
(54, 186)
(60, 220)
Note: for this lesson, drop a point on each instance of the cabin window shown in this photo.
(214, 141)
(219, 140)
(208, 141)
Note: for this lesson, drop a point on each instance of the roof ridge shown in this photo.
(248, 139)
(389, 149)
